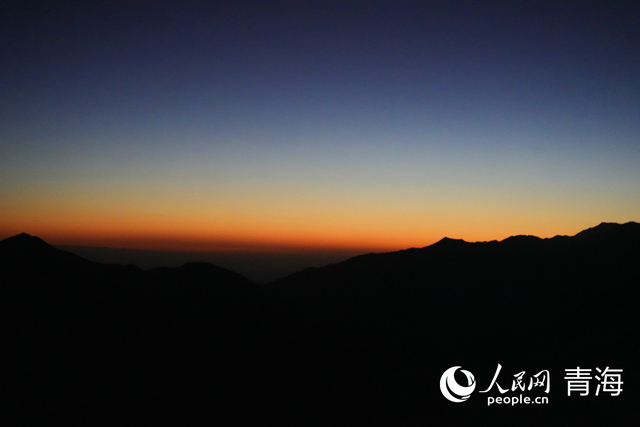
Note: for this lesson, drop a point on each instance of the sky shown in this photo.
(315, 126)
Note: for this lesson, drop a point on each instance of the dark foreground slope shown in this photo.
(388, 325)
(360, 342)
(87, 342)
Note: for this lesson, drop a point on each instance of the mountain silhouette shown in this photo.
(90, 341)
(358, 342)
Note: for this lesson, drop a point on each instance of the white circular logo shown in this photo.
(454, 391)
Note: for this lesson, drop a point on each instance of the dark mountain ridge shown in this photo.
(521, 301)
(361, 341)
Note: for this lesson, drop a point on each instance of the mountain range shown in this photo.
(358, 342)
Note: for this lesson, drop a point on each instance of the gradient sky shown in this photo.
(262, 125)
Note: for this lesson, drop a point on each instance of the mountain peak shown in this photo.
(24, 240)
(603, 226)
(23, 249)
(609, 232)
(600, 229)
(448, 242)
(523, 239)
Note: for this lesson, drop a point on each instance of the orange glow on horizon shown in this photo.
(289, 217)
(154, 235)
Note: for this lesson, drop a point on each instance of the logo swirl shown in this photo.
(454, 391)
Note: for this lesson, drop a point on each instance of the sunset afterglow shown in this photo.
(294, 126)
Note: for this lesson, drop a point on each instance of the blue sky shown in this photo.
(373, 125)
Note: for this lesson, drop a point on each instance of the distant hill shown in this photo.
(259, 266)
(359, 342)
